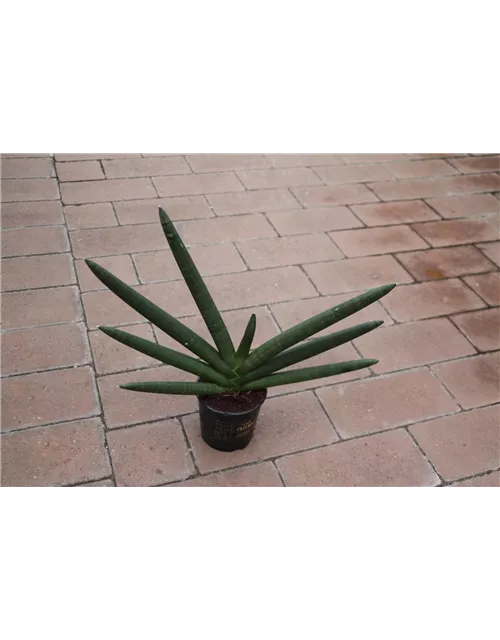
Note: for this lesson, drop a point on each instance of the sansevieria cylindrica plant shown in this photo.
(223, 369)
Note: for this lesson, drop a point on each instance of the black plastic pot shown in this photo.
(227, 430)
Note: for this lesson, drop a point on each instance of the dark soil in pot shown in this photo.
(228, 420)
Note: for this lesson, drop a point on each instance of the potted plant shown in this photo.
(232, 384)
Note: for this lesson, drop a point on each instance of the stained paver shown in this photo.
(284, 236)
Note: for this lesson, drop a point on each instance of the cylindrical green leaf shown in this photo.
(199, 291)
(166, 355)
(310, 373)
(246, 341)
(175, 388)
(309, 350)
(160, 318)
(309, 327)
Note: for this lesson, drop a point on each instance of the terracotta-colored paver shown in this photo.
(73, 157)
(460, 231)
(99, 483)
(356, 274)
(29, 189)
(301, 159)
(55, 456)
(251, 201)
(39, 307)
(487, 285)
(189, 185)
(365, 406)
(106, 190)
(478, 164)
(477, 183)
(481, 327)
(159, 266)
(411, 189)
(300, 249)
(213, 162)
(31, 214)
(53, 396)
(352, 173)
(474, 381)
(435, 264)
(435, 154)
(90, 243)
(329, 196)
(41, 348)
(273, 178)
(402, 346)
(144, 211)
(462, 445)
(253, 288)
(90, 216)
(301, 221)
(143, 167)
(120, 266)
(366, 242)
(77, 171)
(110, 356)
(33, 241)
(104, 308)
(382, 460)
(491, 250)
(27, 168)
(231, 229)
(420, 169)
(429, 299)
(154, 154)
(389, 213)
(26, 155)
(123, 408)
(150, 454)
(487, 480)
(263, 474)
(34, 272)
(463, 206)
(286, 424)
(362, 158)
(430, 187)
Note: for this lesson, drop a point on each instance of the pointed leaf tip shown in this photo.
(248, 336)
(311, 326)
(309, 373)
(107, 330)
(199, 290)
(161, 319)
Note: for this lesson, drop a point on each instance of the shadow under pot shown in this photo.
(228, 420)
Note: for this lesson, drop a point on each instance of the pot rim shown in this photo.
(233, 413)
